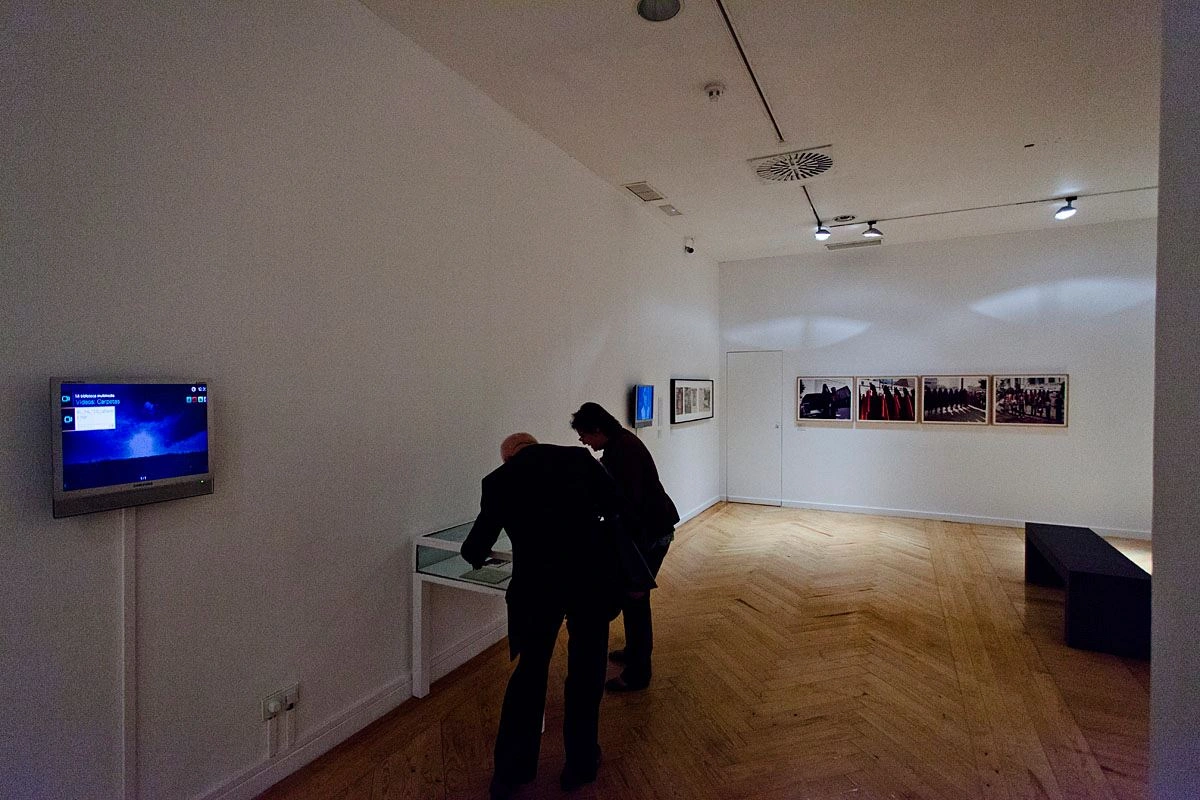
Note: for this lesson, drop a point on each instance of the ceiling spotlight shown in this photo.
(657, 10)
(822, 233)
(872, 232)
(1067, 211)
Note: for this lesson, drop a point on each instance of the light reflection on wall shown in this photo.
(1079, 297)
(797, 333)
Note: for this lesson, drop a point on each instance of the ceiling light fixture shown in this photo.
(1067, 211)
(822, 233)
(657, 10)
(872, 232)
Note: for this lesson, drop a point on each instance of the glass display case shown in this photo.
(436, 561)
(437, 555)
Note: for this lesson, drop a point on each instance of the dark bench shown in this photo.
(1108, 596)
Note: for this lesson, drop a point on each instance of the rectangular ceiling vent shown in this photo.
(848, 245)
(645, 192)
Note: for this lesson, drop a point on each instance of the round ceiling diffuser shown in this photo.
(796, 166)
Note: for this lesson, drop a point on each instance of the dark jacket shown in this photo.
(648, 511)
(550, 500)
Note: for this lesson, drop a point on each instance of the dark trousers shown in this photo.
(639, 628)
(519, 739)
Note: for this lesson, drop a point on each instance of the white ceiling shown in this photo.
(927, 106)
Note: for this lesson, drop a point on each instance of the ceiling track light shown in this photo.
(821, 233)
(1067, 211)
(872, 232)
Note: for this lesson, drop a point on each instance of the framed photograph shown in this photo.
(1030, 400)
(955, 399)
(825, 400)
(887, 399)
(691, 400)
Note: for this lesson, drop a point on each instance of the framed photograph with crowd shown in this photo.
(691, 400)
(887, 399)
(825, 400)
(955, 399)
(1039, 400)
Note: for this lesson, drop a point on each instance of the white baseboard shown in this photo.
(327, 736)
(758, 501)
(458, 654)
(948, 517)
(700, 509)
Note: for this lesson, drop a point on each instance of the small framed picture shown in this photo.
(691, 400)
(955, 399)
(825, 400)
(1039, 400)
(887, 399)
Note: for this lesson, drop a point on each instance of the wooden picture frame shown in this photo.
(956, 399)
(888, 400)
(1037, 400)
(691, 400)
(828, 400)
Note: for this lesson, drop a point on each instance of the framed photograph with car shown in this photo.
(955, 399)
(887, 399)
(1039, 400)
(691, 400)
(825, 400)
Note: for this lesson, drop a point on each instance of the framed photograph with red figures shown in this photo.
(887, 399)
(1030, 400)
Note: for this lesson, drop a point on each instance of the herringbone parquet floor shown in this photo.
(807, 654)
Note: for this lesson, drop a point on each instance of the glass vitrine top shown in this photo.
(437, 554)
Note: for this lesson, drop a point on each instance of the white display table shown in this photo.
(436, 560)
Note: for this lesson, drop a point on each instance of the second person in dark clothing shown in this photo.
(649, 516)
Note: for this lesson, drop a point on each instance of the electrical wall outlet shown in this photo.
(278, 702)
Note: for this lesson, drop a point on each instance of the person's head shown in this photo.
(594, 425)
(514, 443)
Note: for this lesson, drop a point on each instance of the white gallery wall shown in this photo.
(380, 274)
(1077, 300)
(1175, 691)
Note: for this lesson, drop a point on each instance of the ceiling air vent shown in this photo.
(798, 165)
(645, 192)
(848, 245)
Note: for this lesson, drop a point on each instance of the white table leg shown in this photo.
(420, 629)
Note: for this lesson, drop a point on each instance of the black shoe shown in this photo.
(617, 656)
(571, 779)
(619, 684)
(500, 789)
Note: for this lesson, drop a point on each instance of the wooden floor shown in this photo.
(807, 654)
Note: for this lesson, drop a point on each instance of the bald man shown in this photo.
(548, 498)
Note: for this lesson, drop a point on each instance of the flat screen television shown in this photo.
(120, 443)
(642, 405)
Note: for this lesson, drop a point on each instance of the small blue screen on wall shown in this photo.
(128, 433)
(643, 405)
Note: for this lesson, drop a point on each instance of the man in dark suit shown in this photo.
(549, 499)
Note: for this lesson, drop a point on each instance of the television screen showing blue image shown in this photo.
(126, 443)
(643, 405)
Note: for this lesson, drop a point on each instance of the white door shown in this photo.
(754, 443)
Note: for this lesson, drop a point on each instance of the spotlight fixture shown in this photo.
(657, 10)
(822, 233)
(872, 232)
(1067, 211)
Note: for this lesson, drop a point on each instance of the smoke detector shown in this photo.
(714, 90)
(795, 166)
